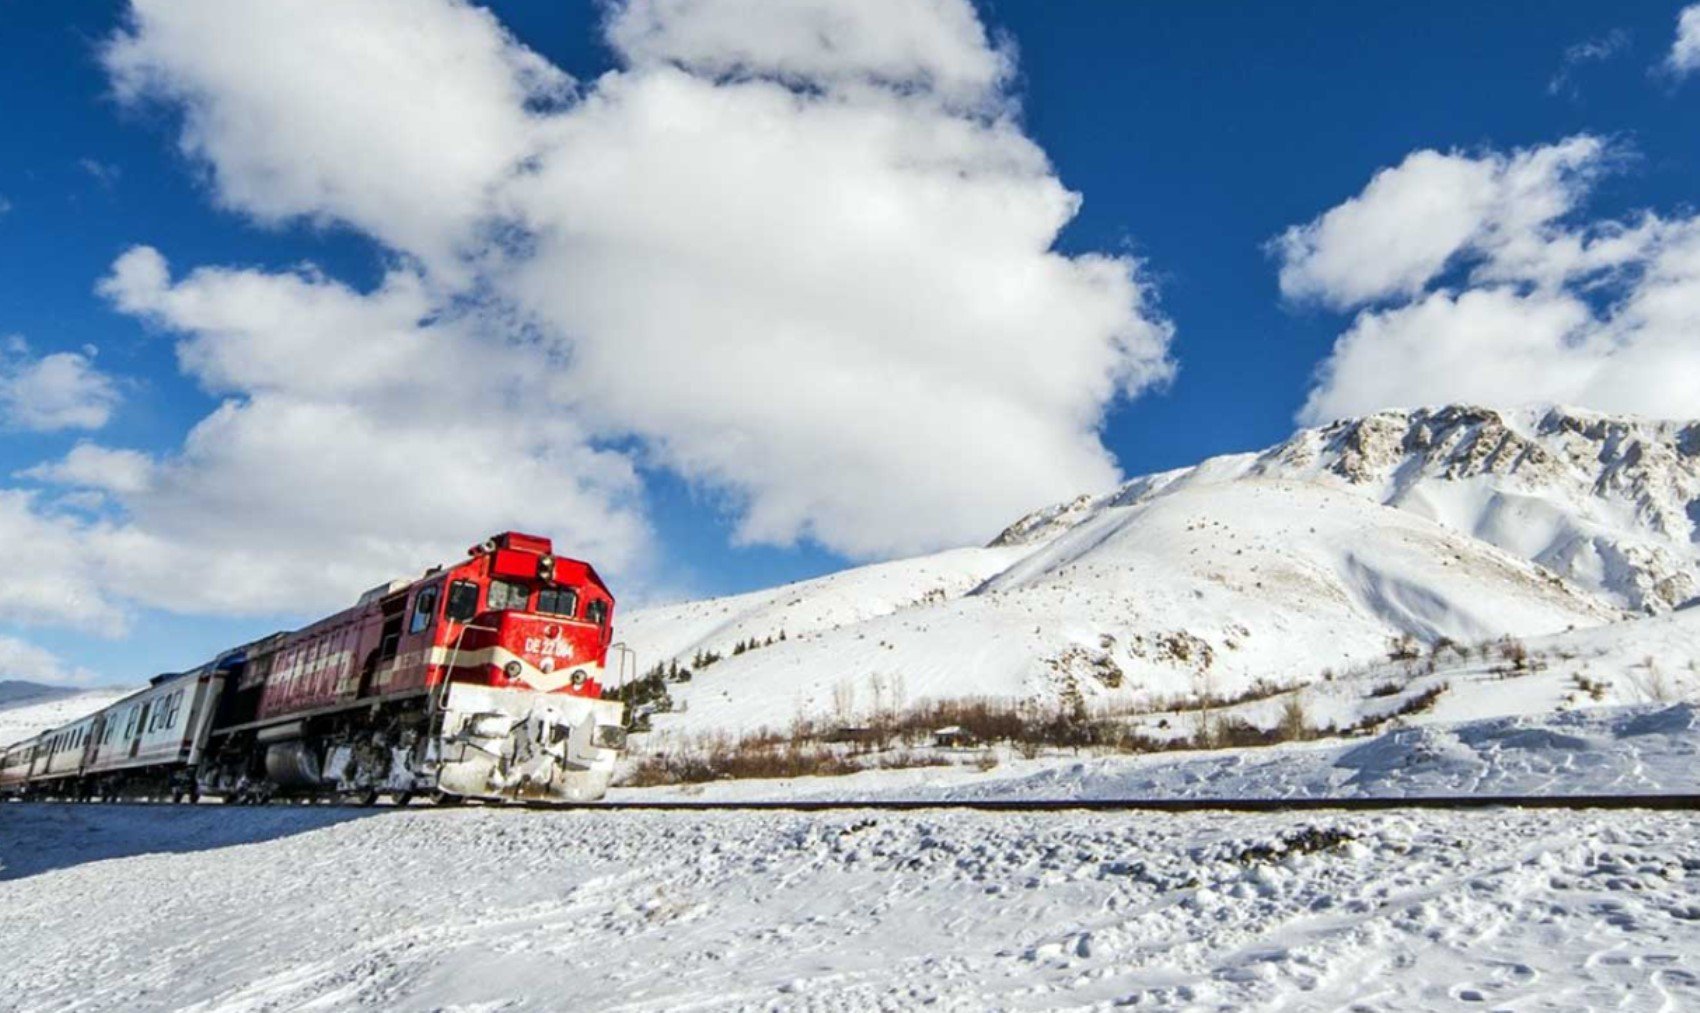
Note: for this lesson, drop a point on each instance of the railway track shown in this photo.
(1661, 802)
(1170, 805)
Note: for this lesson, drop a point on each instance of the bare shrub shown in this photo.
(902, 737)
(1652, 683)
(1404, 647)
(844, 700)
(1295, 719)
(1514, 652)
(1414, 704)
(1595, 688)
(721, 759)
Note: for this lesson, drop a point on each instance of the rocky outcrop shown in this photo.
(1610, 502)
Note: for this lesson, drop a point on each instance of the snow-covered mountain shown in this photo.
(28, 708)
(1610, 502)
(1277, 567)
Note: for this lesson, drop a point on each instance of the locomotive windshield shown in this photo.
(463, 601)
(507, 594)
(558, 601)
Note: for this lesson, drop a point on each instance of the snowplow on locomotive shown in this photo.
(479, 680)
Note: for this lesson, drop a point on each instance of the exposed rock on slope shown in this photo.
(1612, 503)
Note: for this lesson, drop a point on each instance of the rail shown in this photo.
(1660, 802)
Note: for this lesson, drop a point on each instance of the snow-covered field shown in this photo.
(117, 908)
(1602, 751)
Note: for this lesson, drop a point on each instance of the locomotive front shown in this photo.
(518, 676)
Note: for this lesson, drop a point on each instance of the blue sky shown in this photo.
(1194, 133)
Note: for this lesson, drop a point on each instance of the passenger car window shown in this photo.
(506, 594)
(463, 601)
(424, 609)
(558, 601)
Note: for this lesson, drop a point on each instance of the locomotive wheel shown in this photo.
(444, 798)
(402, 798)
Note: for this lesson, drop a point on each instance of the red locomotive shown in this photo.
(479, 680)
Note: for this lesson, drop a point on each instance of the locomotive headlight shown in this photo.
(512, 669)
(578, 678)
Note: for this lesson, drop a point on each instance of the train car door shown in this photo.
(141, 727)
(379, 671)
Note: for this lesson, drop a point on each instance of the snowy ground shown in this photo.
(118, 908)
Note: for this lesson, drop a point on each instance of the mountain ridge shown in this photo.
(1458, 524)
(1635, 483)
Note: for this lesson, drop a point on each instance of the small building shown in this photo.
(952, 737)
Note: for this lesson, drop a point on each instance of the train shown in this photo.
(485, 679)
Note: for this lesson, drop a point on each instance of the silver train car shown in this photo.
(146, 745)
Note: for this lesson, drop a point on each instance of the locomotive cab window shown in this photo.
(558, 601)
(424, 609)
(463, 601)
(597, 612)
(506, 594)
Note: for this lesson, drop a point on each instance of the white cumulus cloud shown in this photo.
(53, 576)
(20, 659)
(1414, 219)
(61, 390)
(1520, 301)
(395, 116)
(97, 468)
(934, 46)
(361, 434)
(801, 255)
(1684, 56)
